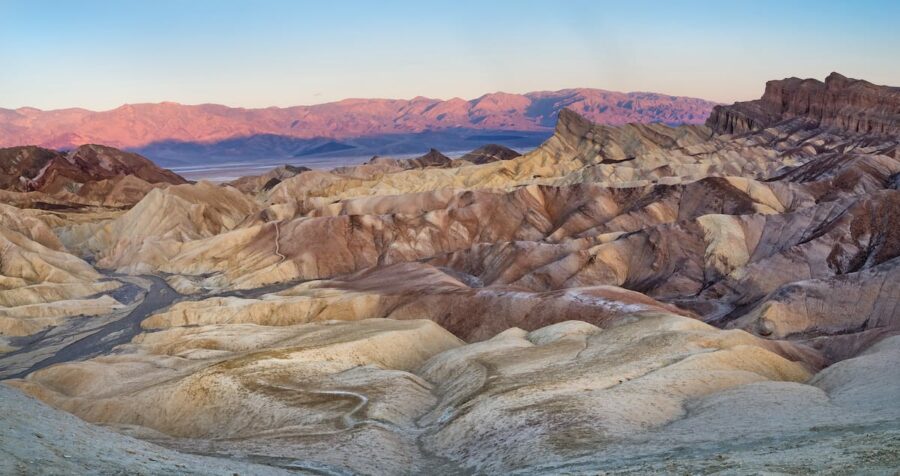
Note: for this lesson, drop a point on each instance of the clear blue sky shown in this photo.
(101, 54)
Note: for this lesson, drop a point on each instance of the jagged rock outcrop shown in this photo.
(89, 175)
(378, 167)
(852, 105)
(256, 184)
(19, 164)
(489, 153)
(432, 158)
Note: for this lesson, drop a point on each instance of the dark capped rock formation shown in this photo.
(254, 184)
(490, 153)
(432, 158)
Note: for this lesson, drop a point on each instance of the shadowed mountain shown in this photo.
(283, 149)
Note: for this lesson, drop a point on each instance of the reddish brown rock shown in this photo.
(89, 175)
(852, 105)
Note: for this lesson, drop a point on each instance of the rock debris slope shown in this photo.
(638, 299)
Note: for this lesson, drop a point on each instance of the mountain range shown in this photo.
(174, 134)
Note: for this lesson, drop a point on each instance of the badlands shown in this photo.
(631, 299)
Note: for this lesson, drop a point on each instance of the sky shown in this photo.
(102, 54)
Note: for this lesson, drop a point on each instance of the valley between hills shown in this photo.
(625, 298)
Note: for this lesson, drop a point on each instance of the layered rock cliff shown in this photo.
(852, 105)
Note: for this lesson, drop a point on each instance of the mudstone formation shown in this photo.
(624, 298)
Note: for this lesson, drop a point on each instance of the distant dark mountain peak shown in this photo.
(490, 153)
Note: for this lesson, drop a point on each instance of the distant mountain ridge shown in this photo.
(136, 126)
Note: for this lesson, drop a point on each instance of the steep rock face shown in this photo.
(852, 105)
(579, 151)
(841, 315)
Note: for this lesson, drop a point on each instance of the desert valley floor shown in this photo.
(719, 298)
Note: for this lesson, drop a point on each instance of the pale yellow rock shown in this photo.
(5, 346)
(273, 310)
(49, 292)
(31, 318)
(727, 249)
(517, 391)
(32, 262)
(225, 362)
(159, 224)
(31, 224)
(294, 390)
(584, 388)
(41, 286)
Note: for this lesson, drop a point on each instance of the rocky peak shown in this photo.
(33, 168)
(20, 164)
(434, 158)
(99, 162)
(490, 153)
(572, 124)
(852, 105)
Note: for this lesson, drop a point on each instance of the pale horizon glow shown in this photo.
(99, 55)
